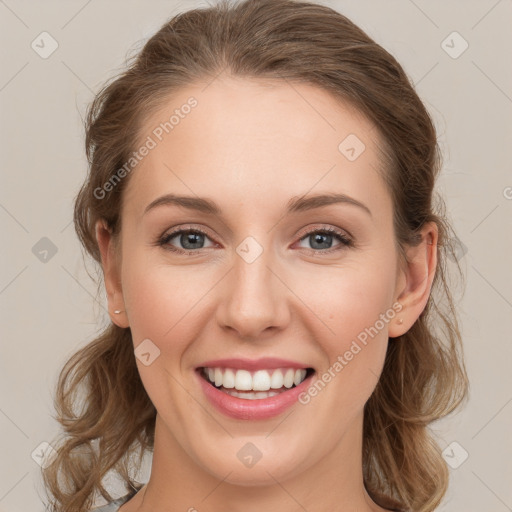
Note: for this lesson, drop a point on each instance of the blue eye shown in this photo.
(193, 240)
(322, 237)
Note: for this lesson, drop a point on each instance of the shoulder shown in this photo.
(113, 506)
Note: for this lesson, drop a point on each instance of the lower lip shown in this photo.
(259, 409)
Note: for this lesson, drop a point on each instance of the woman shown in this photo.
(261, 200)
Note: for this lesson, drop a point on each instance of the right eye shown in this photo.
(191, 240)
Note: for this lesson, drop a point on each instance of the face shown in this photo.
(268, 279)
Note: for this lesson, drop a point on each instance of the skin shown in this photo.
(251, 146)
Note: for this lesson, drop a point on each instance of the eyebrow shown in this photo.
(294, 205)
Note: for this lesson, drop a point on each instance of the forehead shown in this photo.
(251, 139)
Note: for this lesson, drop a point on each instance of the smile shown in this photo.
(257, 384)
(252, 390)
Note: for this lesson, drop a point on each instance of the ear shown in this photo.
(415, 280)
(111, 273)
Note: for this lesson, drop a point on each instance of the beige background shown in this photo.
(48, 308)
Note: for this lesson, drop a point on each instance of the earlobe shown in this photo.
(106, 245)
(416, 280)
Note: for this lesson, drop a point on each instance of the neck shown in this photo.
(332, 482)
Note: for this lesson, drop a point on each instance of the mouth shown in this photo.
(255, 384)
(247, 390)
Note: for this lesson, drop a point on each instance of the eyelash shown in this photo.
(345, 241)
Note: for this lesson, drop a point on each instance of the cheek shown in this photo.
(355, 303)
(165, 303)
(347, 301)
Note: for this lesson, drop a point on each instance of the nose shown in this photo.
(255, 301)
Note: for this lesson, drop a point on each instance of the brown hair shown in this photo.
(424, 377)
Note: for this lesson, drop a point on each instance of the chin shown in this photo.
(250, 466)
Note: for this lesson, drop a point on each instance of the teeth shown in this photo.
(251, 395)
(243, 380)
(260, 380)
(288, 378)
(276, 381)
(218, 377)
(298, 377)
(228, 380)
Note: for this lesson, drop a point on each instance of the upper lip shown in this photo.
(264, 363)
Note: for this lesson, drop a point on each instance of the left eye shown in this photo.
(322, 237)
